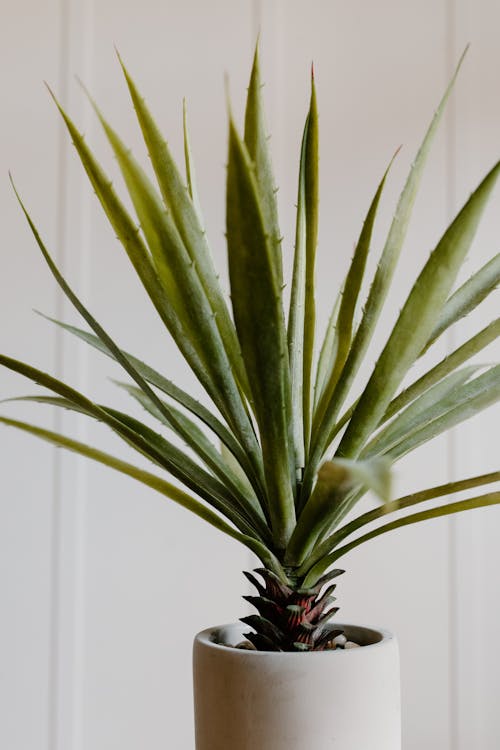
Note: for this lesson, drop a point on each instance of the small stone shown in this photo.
(351, 644)
(246, 646)
(340, 640)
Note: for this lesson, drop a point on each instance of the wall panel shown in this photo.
(476, 603)
(29, 44)
(71, 487)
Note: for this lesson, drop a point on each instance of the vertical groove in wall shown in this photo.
(55, 540)
(67, 522)
(80, 521)
(454, 653)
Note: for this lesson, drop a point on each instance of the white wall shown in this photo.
(103, 584)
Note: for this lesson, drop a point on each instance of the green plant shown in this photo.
(296, 456)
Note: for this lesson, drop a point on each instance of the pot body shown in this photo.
(330, 700)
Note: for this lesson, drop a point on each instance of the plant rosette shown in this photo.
(300, 424)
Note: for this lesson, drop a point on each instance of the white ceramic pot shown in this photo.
(330, 700)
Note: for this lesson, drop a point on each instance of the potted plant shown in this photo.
(290, 447)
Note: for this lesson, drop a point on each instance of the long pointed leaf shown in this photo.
(140, 437)
(350, 295)
(335, 480)
(472, 398)
(481, 501)
(138, 254)
(331, 542)
(409, 500)
(169, 256)
(196, 439)
(296, 313)
(257, 143)
(154, 482)
(239, 490)
(447, 365)
(478, 395)
(311, 204)
(173, 261)
(246, 435)
(170, 389)
(258, 313)
(188, 471)
(380, 286)
(467, 297)
(443, 368)
(328, 351)
(435, 400)
(190, 171)
(184, 213)
(416, 320)
(455, 408)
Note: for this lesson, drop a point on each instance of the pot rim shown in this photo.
(205, 638)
